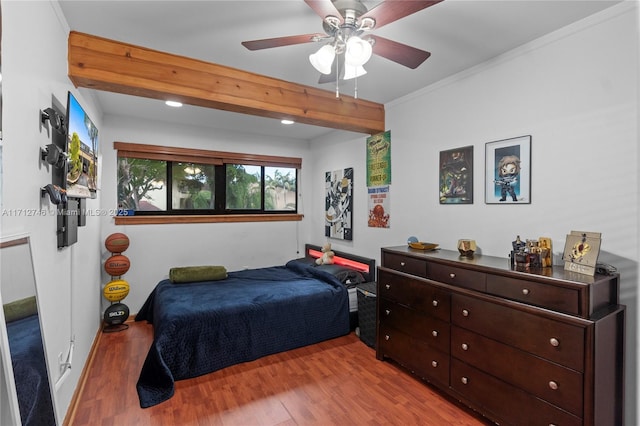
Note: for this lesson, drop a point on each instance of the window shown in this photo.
(141, 184)
(192, 186)
(162, 181)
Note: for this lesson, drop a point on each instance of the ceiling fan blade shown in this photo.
(324, 8)
(391, 10)
(398, 52)
(283, 41)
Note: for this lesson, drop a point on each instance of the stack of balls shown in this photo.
(116, 289)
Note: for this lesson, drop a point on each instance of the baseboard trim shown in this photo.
(77, 394)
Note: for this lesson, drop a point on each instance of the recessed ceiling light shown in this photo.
(175, 104)
(287, 121)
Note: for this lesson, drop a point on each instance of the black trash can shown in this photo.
(367, 313)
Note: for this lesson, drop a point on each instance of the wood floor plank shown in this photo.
(337, 382)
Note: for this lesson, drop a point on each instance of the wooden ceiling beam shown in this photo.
(112, 66)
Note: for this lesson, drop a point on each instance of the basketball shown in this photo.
(116, 314)
(117, 265)
(117, 243)
(116, 290)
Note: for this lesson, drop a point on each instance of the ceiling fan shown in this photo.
(348, 25)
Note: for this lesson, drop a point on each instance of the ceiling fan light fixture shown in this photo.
(358, 51)
(323, 59)
(351, 71)
(367, 24)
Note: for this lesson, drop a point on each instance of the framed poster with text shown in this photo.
(379, 159)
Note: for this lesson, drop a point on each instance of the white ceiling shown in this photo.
(458, 33)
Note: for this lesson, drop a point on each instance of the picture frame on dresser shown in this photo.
(508, 171)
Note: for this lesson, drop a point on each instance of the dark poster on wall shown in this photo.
(339, 204)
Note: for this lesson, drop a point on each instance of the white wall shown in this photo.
(154, 249)
(34, 68)
(576, 93)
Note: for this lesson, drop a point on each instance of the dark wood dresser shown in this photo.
(535, 347)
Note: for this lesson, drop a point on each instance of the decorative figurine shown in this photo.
(467, 247)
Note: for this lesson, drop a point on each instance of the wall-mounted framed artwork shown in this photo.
(508, 171)
(339, 204)
(456, 176)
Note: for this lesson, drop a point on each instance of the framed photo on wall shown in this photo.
(508, 171)
(456, 176)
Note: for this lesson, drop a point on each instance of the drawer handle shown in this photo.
(402, 264)
(434, 303)
(465, 347)
(387, 311)
(434, 364)
(452, 275)
(464, 380)
(553, 385)
(387, 286)
(525, 291)
(434, 333)
(465, 313)
(554, 342)
(387, 337)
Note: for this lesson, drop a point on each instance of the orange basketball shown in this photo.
(117, 265)
(117, 243)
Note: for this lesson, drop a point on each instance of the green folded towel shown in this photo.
(20, 309)
(189, 274)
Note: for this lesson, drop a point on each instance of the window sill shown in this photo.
(157, 220)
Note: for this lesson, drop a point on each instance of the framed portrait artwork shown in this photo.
(508, 171)
(456, 176)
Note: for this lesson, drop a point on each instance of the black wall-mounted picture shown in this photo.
(508, 171)
(339, 204)
(82, 139)
(456, 176)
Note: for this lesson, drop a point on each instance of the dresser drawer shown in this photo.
(432, 331)
(553, 340)
(548, 296)
(405, 264)
(415, 294)
(459, 277)
(514, 405)
(414, 354)
(558, 385)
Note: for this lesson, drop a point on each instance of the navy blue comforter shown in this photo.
(206, 326)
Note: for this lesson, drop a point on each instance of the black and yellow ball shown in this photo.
(116, 314)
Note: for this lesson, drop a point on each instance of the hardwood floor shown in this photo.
(337, 382)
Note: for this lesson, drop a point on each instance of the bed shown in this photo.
(30, 370)
(204, 326)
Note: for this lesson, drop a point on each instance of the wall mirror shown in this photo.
(23, 331)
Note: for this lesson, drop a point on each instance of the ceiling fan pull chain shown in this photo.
(355, 91)
(337, 76)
